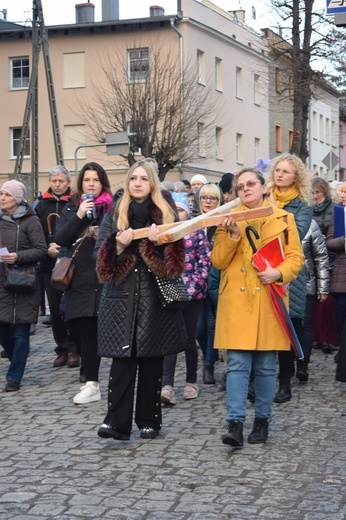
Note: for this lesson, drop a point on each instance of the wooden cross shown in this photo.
(176, 230)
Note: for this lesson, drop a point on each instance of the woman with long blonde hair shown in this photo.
(134, 328)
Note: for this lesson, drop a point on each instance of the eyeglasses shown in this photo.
(205, 198)
(249, 184)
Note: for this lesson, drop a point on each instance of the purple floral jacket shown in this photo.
(197, 264)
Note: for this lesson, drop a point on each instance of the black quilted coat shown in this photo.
(130, 314)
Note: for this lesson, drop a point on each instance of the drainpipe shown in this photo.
(181, 64)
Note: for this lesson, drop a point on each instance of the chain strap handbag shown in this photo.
(172, 292)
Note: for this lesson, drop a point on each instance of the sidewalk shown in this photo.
(54, 466)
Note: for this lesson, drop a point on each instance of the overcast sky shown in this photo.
(63, 11)
(58, 12)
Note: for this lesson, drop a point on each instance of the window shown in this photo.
(239, 148)
(257, 149)
(314, 125)
(256, 89)
(74, 70)
(334, 135)
(278, 137)
(219, 143)
(201, 138)
(278, 80)
(291, 87)
(290, 140)
(327, 130)
(218, 74)
(138, 65)
(239, 83)
(322, 130)
(15, 141)
(201, 67)
(19, 71)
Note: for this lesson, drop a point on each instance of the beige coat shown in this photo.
(240, 326)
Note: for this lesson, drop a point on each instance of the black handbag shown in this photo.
(20, 279)
(172, 293)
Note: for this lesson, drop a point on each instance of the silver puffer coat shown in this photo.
(316, 261)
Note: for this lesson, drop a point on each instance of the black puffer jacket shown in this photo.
(324, 214)
(21, 233)
(131, 315)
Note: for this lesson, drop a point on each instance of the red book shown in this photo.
(274, 254)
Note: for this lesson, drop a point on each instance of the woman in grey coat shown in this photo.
(22, 235)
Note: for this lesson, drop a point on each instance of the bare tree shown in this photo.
(307, 32)
(336, 55)
(160, 105)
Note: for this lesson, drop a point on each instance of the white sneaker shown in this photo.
(167, 395)
(88, 394)
(191, 391)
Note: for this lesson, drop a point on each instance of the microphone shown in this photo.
(91, 214)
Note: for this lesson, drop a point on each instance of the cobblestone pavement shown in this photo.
(53, 465)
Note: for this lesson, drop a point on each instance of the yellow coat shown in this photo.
(239, 326)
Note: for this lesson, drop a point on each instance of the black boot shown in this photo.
(234, 436)
(284, 393)
(259, 432)
(302, 371)
(208, 375)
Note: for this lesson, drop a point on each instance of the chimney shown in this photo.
(85, 13)
(110, 10)
(156, 10)
(238, 16)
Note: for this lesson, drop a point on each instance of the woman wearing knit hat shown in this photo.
(197, 265)
(22, 235)
(197, 182)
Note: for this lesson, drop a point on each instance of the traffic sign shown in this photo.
(336, 6)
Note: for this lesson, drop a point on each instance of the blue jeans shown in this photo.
(239, 364)
(15, 340)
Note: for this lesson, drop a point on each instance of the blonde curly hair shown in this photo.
(301, 180)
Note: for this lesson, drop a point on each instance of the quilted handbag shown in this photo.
(20, 279)
(172, 292)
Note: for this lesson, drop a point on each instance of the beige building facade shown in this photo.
(229, 60)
